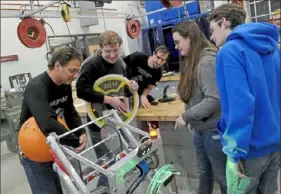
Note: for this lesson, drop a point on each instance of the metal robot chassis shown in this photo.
(125, 171)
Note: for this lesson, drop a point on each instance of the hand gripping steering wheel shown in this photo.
(113, 85)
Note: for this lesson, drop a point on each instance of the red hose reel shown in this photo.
(31, 33)
(133, 28)
(171, 3)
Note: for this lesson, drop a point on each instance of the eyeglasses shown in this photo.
(73, 71)
(159, 58)
(114, 52)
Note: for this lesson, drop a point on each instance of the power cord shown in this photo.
(69, 31)
(43, 22)
(48, 56)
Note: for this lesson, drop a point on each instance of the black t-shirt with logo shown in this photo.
(45, 101)
(138, 70)
(93, 68)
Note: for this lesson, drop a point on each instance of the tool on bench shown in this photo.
(165, 97)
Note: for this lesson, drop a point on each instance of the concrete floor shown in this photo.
(13, 179)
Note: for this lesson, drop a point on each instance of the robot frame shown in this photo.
(125, 172)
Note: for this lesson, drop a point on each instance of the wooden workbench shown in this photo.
(170, 78)
(161, 112)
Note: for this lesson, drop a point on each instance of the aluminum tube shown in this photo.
(82, 126)
(74, 16)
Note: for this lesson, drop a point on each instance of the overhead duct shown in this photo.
(84, 7)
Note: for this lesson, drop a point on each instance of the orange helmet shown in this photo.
(32, 141)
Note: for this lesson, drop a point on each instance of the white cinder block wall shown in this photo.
(33, 60)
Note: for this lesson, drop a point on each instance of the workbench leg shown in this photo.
(178, 148)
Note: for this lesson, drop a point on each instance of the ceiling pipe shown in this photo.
(73, 16)
(85, 16)
(73, 11)
(36, 5)
(39, 9)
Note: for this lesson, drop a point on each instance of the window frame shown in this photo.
(255, 17)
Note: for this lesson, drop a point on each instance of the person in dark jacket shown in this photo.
(46, 97)
(107, 61)
(198, 90)
(146, 71)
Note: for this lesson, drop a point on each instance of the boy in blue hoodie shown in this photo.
(248, 78)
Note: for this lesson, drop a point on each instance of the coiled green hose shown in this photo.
(160, 177)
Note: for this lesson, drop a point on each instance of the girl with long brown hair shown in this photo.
(198, 90)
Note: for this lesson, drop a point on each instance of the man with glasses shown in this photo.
(248, 78)
(46, 97)
(146, 70)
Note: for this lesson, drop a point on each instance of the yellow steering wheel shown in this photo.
(111, 85)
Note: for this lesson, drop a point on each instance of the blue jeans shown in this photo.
(211, 161)
(262, 175)
(41, 177)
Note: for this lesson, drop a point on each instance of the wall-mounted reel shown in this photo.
(133, 28)
(65, 11)
(113, 85)
(171, 3)
(31, 32)
(238, 2)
